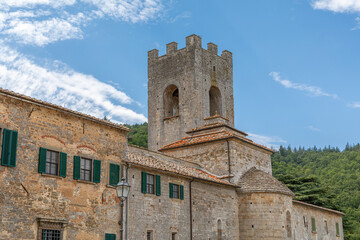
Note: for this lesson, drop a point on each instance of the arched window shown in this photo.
(219, 230)
(171, 101)
(288, 224)
(215, 101)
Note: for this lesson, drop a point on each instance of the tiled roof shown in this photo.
(59, 108)
(208, 137)
(214, 125)
(318, 207)
(256, 180)
(157, 161)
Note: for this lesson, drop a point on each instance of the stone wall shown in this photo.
(193, 70)
(325, 222)
(215, 208)
(89, 209)
(213, 156)
(263, 216)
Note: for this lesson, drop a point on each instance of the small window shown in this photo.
(173, 236)
(50, 230)
(337, 230)
(313, 225)
(305, 222)
(52, 162)
(50, 234)
(150, 184)
(85, 169)
(149, 235)
(114, 174)
(176, 191)
(219, 236)
(326, 227)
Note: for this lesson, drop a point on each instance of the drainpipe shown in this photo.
(191, 218)
(228, 150)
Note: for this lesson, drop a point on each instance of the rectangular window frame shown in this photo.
(174, 236)
(90, 171)
(149, 235)
(51, 163)
(175, 191)
(50, 224)
(150, 186)
(337, 226)
(313, 225)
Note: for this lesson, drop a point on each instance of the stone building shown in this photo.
(200, 179)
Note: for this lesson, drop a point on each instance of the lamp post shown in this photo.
(122, 191)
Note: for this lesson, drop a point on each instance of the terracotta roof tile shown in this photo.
(208, 137)
(175, 166)
(57, 107)
(256, 180)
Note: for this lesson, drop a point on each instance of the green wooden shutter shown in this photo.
(181, 192)
(63, 163)
(109, 236)
(337, 229)
(13, 148)
(97, 171)
(42, 160)
(76, 175)
(313, 224)
(5, 155)
(171, 194)
(114, 174)
(143, 182)
(158, 185)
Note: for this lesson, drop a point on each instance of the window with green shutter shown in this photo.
(337, 229)
(110, 236)
(176, 191)
(76, 168)
(9, 147)
(97, 171)
(150, 183)
(87, 169)
(313, 225)
(114, 174)
(52, 162)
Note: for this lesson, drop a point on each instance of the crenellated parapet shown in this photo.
(192, 42)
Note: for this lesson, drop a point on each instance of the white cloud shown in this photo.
(312, 128)
(354, 105)
(339, 6)
(271, 142)
(40, 22)
(75, 90)
(311, 90)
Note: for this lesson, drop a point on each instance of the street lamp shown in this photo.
(122, 191)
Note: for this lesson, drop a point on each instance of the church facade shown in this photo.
(200, 179)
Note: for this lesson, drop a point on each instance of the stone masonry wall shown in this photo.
(193, 70)
(213, 204)
(325, 224)
(90, 209)
(213, 156)
(263, 216)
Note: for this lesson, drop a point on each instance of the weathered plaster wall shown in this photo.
(302, 224)
(263, 216)
(193, 70)
(25, 195)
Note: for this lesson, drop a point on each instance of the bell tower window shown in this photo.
(171, 101)
(215, 101)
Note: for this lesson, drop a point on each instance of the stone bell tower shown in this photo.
(184, 87)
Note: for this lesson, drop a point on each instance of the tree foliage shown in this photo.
(139, 134)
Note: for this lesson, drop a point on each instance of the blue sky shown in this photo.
(296, 62)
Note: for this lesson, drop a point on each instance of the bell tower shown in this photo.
(185, 86)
